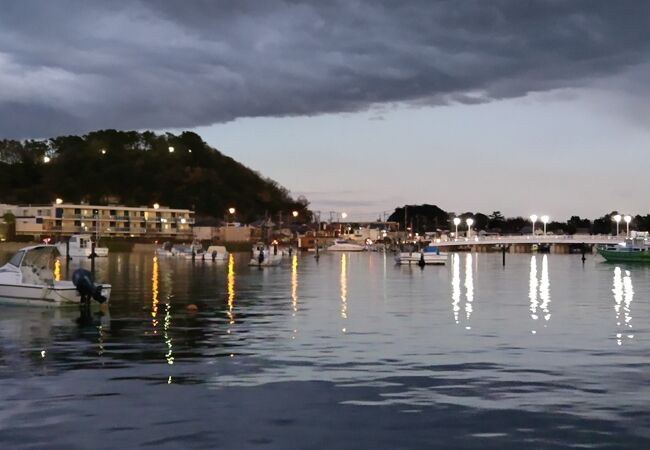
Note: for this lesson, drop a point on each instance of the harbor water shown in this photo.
(348, 351)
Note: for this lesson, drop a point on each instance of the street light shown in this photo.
(344, 215)
(156, 206)
(46, 159)
(544, 221)
(617, 218)
(469, 222)
(627, 220)
(456, 222)
(231, 210)
(59, 201)
(533, 219)
(294, 213)
(171, 149)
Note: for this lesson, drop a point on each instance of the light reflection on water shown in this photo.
(539, 288)
(456, 287)
(623, 295)
(268, 344)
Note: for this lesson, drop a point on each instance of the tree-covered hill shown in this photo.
(134, 169)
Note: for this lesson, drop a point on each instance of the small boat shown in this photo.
(214, 253)
(28, 279)
(632, 250)
(165, 249)
(342, 245)
(193, 251)
(429, 255)
(80, 245)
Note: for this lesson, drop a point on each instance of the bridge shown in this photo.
(524, 243)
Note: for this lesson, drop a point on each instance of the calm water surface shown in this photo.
(349, 352)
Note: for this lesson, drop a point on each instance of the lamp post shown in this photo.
(156, 206)
(456, 222)
(533, 219)
(617, 218)
(544, 221)
(58, 201)
(469, 222)
(294, 214)
(627, 220)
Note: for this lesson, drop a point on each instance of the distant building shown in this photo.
(230, 232)
(65, 219)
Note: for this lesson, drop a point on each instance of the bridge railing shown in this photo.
(530, 239)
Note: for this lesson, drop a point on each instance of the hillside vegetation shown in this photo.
(138, 168)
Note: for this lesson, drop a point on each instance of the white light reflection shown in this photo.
(168, 340)
(455, 285)
(469, 289)
(623, 295)
(344, 289)
(231, 289)
(544, 290)
(532, 290)
(456, 291)
(539, 289)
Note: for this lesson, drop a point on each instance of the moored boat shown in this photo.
(80, 245)
(28, 279)
(430, 255)
(631, 250)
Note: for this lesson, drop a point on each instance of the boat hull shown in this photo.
(83, 252)
(62, 294)
(430, 259)
(625, 256)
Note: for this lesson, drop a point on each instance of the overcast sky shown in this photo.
(520, 106)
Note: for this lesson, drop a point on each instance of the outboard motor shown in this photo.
(85, 284)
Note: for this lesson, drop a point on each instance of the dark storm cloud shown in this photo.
(73, 66)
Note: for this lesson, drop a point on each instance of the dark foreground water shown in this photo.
(351, 352)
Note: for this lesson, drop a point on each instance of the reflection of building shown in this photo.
(112, 220)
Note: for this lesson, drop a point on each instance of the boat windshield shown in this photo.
(16, 259)
(39, 263)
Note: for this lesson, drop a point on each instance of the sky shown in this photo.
(361, 106)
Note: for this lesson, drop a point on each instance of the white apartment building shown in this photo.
(64, 219)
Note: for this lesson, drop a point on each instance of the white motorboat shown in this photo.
(165, 250)
(193, 251)
(263, 256)
(80, 246)
(216, 253)
(341, 245)
(28, 279)
(430, 255)
(273, 249)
